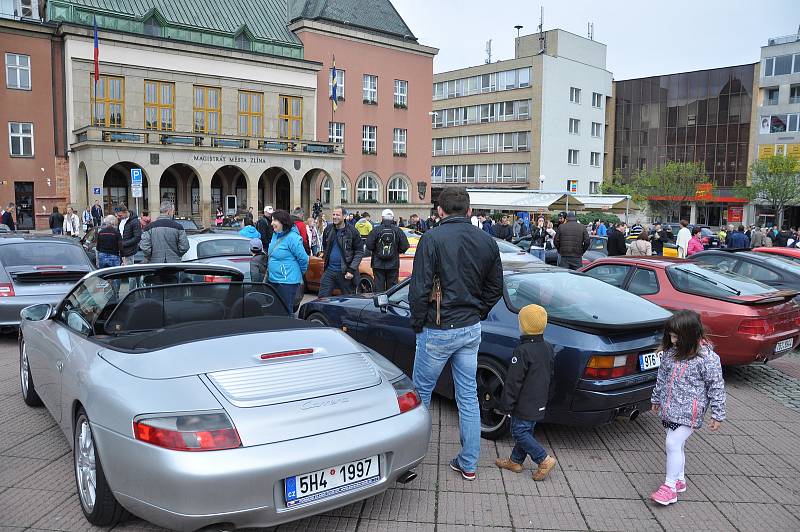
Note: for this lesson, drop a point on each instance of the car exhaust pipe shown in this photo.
(634, 414)
(406, 477)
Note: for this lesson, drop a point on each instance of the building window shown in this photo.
(574, 95)
(572, 186)
(574, 126)
(251, 114)
(398, 190)
(794, 94)
(400, 94)
(20, 139)
(773, 124)
(594, 187)
(594, 158)
(242, 42)
(291, 117)
(369, 139)
(109, 103)
(597, 129)
(325, 191)
(523, 109)
(206, 109)
(780, 65)
(336, 132)
(339, 85)
(367, 189)
(159, 105)
(524, 76)
(572, 156)
(771, 96)
(18, 71)
(152, 28)
(345, 190)
(399, 141)
(597, 100)
(370, 92)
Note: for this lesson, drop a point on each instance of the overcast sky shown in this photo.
(644, 37)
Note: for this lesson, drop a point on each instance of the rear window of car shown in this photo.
(705, 231)
(794, 260)
(579, 298)
(49, 253)
(187, 224)
(223, 246)
(709, 280)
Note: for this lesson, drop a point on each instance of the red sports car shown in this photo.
(793, 254)
(746, 320)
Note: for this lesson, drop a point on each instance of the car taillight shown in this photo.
(407, 396)
(217, 278)
(7, 290)
(610, 366)
(189, 432)
(755, 327)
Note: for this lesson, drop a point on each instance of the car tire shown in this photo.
(491, 378)
(365, 285)
(97, 502)
(29, 394)
(317, 318)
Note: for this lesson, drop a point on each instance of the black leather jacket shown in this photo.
(467, 260)
(349, 243)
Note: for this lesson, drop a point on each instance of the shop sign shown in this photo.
(766, 150)
(703, 190)
(735, 214)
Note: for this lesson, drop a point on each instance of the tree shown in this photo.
(776, 181)
(669, 187)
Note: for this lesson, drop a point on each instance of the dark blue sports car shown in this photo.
(604, 339)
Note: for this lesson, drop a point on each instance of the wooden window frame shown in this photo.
(158, 105)
(206, 110)
(106, 101)
(249, 113)
(290, 118)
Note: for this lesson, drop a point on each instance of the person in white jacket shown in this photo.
(72, 224)
(684, 235)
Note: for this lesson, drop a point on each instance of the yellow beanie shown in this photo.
(532, 319)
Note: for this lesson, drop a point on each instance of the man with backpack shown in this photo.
(386, 242)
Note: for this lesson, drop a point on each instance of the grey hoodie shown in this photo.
(685, 389)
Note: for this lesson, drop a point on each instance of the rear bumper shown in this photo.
(244, 487)
(598, 402)
(10, 307)
(740, 350)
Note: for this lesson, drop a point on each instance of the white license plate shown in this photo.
(317, 485)
(783, 345)
(649, 361)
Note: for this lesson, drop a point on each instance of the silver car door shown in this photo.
(47, 344)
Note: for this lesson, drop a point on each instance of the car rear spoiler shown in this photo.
(765, 299)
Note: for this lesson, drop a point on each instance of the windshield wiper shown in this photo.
(712, 281)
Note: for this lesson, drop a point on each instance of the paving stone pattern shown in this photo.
(745, 477)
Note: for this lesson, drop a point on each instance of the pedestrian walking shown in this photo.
(7, 218)
(56, 222)
(343, 250)
(756, 237)
(526, 392)
(97, 213)
(503, 230)
(641, 246)
(249, 230)
(108, 243)
(616, 240)
(264, 226)
(287, 259)
(538, 240)
(72, 224)
(684, 235)
(571, 241)
(314, 235)
(88, 221)
(258, 262)
(131, 230)
(164, 240)
(738, 240)
(449, 296)
(386, 243)
(145, 219)
(657, 239)
(689, 382)
(695, 244)
(486, 223)
(302, 228)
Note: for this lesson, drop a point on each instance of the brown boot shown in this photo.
(545, 467)
(507, 463)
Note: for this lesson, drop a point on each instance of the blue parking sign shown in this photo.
(136, 176)
(96, 191)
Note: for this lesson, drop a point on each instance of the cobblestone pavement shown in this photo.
(746, 477)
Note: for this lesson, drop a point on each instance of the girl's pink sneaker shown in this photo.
(664, 495)
(680, 486)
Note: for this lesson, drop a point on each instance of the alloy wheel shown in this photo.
(85, 465)
(24, 370)
(490, 389)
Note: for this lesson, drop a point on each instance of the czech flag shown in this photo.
(96, 53)
(334, 86)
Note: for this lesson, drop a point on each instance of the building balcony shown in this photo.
(112, 135)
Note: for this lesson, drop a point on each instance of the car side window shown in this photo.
(758, 273)
(598, 244)
(85, 303)
(613, 274)
(644, 282)
(400, 297)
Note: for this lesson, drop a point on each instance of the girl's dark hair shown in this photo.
(687, 326)
(284, 218)
(695, 230)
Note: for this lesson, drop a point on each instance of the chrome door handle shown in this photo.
(60, 366)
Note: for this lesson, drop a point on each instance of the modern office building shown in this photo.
(703, 116)
(778, 101)
(212, 101)
(28, 101)
(535, 122)
(382, 120)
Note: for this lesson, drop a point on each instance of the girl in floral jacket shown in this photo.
(689, 383)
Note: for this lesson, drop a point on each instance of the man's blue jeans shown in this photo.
(107, 260)
(434, 348)
(524, 442)
(539, 253)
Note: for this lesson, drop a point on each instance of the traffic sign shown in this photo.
(96, 191)
(136, 191)
(136, 176)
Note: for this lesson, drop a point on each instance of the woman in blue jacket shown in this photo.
(287, 260)
(249, 230)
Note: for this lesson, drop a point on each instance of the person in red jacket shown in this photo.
(695, 244)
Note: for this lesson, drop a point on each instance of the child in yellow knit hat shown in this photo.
(527, 391)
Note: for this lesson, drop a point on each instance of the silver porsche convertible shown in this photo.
(191, 400)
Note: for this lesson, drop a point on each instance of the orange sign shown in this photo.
(703, 190)
(735, 214)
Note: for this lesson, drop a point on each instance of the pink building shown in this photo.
(384, 80)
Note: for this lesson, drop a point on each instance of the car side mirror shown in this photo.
(39, 312)
(381, 301)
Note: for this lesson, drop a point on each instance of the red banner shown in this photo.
(735, 214)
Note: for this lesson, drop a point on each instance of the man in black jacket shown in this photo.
(386, 243)
(527, 391)
(264, 227)
(503, 230)
(131, 231)
(457, 280)
(343, 253)
(8, 217)
(616, 240)
(657, 239)
(571, 241)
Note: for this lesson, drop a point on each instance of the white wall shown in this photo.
(559, 74)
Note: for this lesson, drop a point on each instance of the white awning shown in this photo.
(522, 200)
(605, 202)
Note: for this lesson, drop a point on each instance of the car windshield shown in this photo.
(709, 280)
(45, 253)
(779, 261)
(187, 224)
(579, 298)
(219, 247)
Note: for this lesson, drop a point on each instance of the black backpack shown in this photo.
(386, 245)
